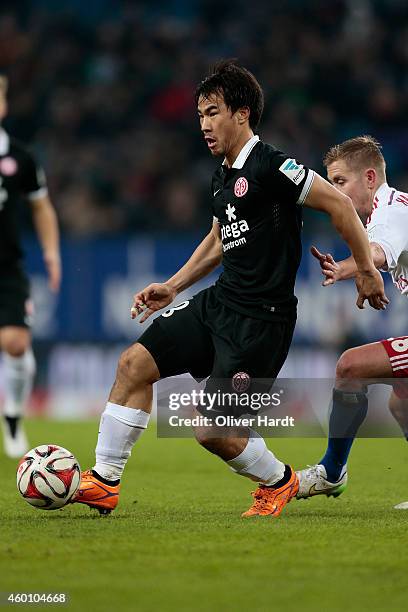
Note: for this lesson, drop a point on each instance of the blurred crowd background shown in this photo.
(103, 91)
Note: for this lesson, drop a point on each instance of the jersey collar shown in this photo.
(4, 142)
(244, 153)
(381, 191)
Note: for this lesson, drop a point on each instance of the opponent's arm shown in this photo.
(204, 260)
(324, 197)
(334, 271)
(46, 225)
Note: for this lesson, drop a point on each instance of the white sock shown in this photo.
(18, 382)
(119, 429)
(257, 462)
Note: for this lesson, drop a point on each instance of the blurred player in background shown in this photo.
(357, 168)
(243, 323)
(20, 179)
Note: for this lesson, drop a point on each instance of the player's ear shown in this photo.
(243, 115)
(371, 177)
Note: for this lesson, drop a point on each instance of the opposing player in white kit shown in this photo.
(357, 168)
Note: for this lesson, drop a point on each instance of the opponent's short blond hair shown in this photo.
(3, 84)
(360, 153)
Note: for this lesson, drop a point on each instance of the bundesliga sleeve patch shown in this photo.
(295, 172)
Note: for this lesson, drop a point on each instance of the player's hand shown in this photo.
(370, 286)
(53, 264)
(330, 268)
(154, 297)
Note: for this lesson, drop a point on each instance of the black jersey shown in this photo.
(20, 179)
(257, 203)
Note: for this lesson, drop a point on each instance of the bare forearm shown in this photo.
(348, 267)
(370, 286)
(324, 197)
(46, 225)
(349, 226)
(204, 260)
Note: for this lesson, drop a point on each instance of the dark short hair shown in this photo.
(238, 87)
(360, 152)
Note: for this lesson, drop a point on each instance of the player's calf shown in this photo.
(19, 371)
(244, 450)
(120, 427)
(398, 407)
(224, 442)
(135, 375)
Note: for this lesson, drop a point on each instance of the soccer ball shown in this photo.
(48, 476)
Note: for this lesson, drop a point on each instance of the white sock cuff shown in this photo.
(254, 449)
(134, 417)
(257, 462)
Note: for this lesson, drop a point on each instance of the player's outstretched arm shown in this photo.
(46, 225)
(334, 271)
(204, 260)
(325, 197)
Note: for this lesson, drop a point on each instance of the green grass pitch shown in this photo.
(177, 542)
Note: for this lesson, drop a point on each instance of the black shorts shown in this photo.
(205, 338)
(14, 297)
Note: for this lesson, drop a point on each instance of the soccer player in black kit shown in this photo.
(21, 179)
(243, 323)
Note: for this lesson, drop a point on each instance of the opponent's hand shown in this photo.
(53, 264)
(370, 286)
(154, 297)
(330, 268)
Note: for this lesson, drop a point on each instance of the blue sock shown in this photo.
(348, 412)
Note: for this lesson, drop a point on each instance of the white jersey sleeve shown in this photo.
(388, 227)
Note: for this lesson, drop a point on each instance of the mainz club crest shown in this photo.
(241, 187)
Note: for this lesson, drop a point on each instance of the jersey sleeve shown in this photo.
(288, 180)
(389, 228)
(34, 182)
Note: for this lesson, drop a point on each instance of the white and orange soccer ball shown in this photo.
(48, 476)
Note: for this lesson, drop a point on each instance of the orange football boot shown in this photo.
(96, 494)
(269, 501)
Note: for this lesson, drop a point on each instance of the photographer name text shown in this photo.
(230, 421)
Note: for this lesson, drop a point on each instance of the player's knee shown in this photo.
(14, 341)
(349, 366)
(137, 365)
(15, 347)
